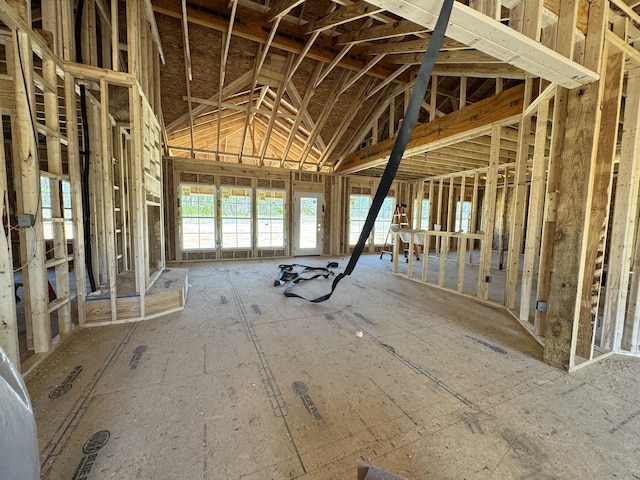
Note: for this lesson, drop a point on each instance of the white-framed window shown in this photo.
(271, 208)
(463, 217)
(235, 213)
(46, 197)
(198, 220)
(424, 218)
(358, 210)
(47, 212)
(383, 221)
(68, 212)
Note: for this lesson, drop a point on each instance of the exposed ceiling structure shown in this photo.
(317, 85)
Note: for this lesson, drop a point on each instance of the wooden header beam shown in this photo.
(472, 121)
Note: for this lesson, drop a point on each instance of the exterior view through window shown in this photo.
(383, 221)
(308, 218)
(358, 209)
(463, 217)
(198, 217)
(271, 218)
(424, 218)
(235, 206)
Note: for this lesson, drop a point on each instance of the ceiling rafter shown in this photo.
(303, 103)
(307, 121)
(223, 63)
(248, 25)
(328, 106)
(347, 13)
(381, 32)
(276, 106)
(354, 108)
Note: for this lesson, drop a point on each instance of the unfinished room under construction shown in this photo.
(175, 172)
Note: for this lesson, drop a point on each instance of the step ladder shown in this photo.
(399, 220)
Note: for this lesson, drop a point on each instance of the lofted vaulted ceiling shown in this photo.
(310, 84)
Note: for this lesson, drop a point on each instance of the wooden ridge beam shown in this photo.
(473, 120)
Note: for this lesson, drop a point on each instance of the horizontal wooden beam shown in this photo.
(479, 70)
(468, 122)
(455, 57)
(411, 46)
(241, 107)
(380, 32)
(490, 36)
(281, 8)
(88, 72)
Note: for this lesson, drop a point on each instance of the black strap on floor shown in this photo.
(410, 118)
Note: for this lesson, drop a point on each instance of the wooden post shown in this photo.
(96, 194)
(503, 223)
(623, 225)
(536, 206)
(50, 22)
(459, 240)
(417, 219)
(439, 213)
(599, 201)
(474, 216)
(133, 38)
(550, 208)
(515, 235)
(569, 239)
(9, 324)
(73, 157)
(66, 22)
(115, 37)
(28, 188)
(107, 205)
(489, 215)
(55, 167)
(434, 99)
(137, 193)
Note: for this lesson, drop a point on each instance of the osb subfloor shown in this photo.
(246, 383)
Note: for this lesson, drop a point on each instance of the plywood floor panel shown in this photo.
(248, 384)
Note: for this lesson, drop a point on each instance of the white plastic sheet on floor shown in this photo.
(18, 436)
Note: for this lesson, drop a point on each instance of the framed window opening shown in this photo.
(383, 221)
(270, 218)
(67, 211)
(47, 211)
(198, 219)
(235, 213)
(358, 209)
(424, 217)
(463, 217)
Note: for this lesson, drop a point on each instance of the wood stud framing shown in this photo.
(47, 112)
